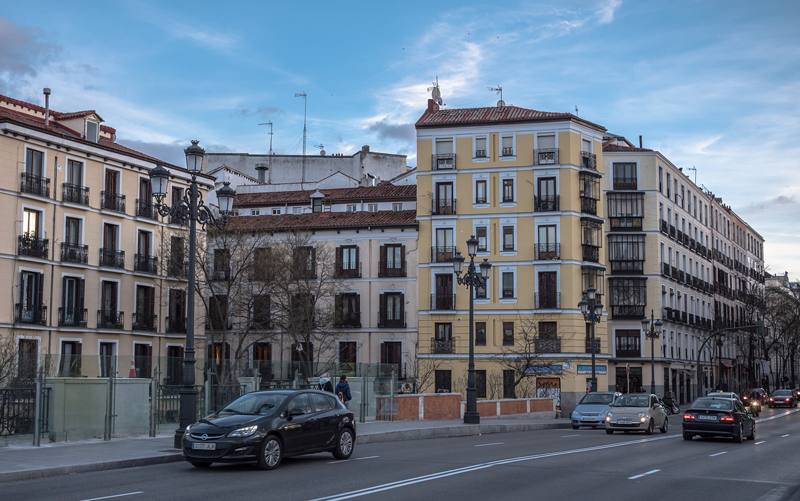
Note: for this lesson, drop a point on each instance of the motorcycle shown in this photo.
(753, 404)
(671, 409)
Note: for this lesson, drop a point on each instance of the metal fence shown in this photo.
(18, 411)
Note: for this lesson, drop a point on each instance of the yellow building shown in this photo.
(95, 278)
(527, 184)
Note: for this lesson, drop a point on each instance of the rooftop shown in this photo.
(618, 148)
(382, 191)
(323, 220)
(435, 117)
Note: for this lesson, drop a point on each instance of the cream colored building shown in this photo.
(94, 274)
(527, 184)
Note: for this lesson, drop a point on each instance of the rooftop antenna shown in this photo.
(436, 94)
(576, 110)
(270, 136)
(695, 173)
(305, 109)
(321, 149)
(498, 90)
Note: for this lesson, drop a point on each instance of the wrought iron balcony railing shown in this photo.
(351, 319)
(546, 203)
(589, 205)
(442, 254)
(75, 193)
(147, 209)
(384, 270)
(443, 301)
(443, 161)
(545, 156)
(145, 263)
(547, 251)
(547, 345)
(591, 253)
(112, 258)
(352, 270)
(110, 319)
(30, 314)
(112, 201)
(176, 324)
(75, 253)
(507, 152)
(443, 206)
(30, 246)
(145, 322)
(548, 301)
(72, 317)
(588, 160)
(443, 346)
(35, 185)
(385, 322)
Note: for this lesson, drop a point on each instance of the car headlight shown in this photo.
(576, 414)
(186, 430)
(243, 432)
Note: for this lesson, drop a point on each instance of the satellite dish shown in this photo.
(436, 94)
(501, 103)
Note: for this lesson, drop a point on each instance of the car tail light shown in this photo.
(727, 418)
(689, 417)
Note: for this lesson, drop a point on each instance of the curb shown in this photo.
(84, 468)
(456, 431)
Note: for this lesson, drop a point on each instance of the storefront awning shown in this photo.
(727, 363)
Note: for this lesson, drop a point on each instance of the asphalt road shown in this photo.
(552, 464)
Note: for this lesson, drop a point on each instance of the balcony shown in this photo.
(547, 251)
(177, 268)
(679, 237)
(110, 319)
(146, 209)
(591, 253)
(219, 274)
(112, 258)
(625, 183)
(145, 263)
(686, 239)
(671, 231)
(589, 206)
(683, 317)
(176, 325)
(597, 345)
(692, 243)
(262, 322)
(112, 201)
(691, 319)
(350, 319)
(629, 352)
(547, 203)
(548, 301)
(507, 152)
(74, 253)
(384, 270)
(443, 206)
(72, 317)
(353, 270)
(384, 322)
(30, 314)
(627, 311)
(545, 156)
(443, 161)
(443, 346)
(145, 322)
(443, 301)
(666, 270)
(675, 273)
(30, 246)
(664, 227)
(480, 153)
(547, 345)
(35, 185)
(177, 220)
(588, 160)
(442, 254)
(75, 193)
(681, 276)
(215, 322)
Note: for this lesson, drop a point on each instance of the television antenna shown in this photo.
(270, 136)
(695, 173)
(498, 90)
(576, 110)
(436, 94)
(321, 149)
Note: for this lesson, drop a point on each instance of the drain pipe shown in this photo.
(47, 106)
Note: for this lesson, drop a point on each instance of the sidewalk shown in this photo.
(63, 458)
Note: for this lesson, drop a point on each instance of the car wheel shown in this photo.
(270, 453)
(575, 427)
(649, 430)
(200, 465)
(665, 427)
(687, 436)
(344, 444)
(739, 436)
(770, 406)
(752, 435)
(610, 432)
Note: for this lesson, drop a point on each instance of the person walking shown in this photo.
(325, 383)
(343, 391)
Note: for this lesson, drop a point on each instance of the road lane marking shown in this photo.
(367, 457)
(717, 454)
(757, 443)
(643, 474)
(565, 436)
(486, 445)
(115, 496)
(776, 416)
(784, 436)
(354, 459)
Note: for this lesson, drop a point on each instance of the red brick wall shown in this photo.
(442, 406)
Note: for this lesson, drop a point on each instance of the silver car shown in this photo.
(636, 412)
(591, 410)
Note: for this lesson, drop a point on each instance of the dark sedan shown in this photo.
(718, 417)
(264, 427)
(782, 397)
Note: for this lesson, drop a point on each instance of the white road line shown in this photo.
(354, 459)
(486, 445)
(784, 436)
(643, 474)
(115, 496)
(565, 436)
(367, 457)
(757, 443)
(776, 416)
(717, 454)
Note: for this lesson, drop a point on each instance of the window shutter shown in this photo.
(358, 304)
(384, 354)
(382, 264)
(339, 259)
(81, 294)
(402, 308)
(314, 261)
(77, 359)
(358, 256)
(64, 292)
(547, 142)
(382, 307)
(403, 259)
(339, 307)
(40, 292)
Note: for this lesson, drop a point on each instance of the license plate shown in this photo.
(706, 418)
(204, 447)
(624, 421)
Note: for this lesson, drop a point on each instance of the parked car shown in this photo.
(591, 410)
(718, 416)
(782, 397)
(636, 412)
(761, 392)
(264, 427)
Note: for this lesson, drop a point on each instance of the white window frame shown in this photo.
(500, 271)
(513, 156)
(503, 176)
(482, 177)
(511, 221)
(483, 223)
(475, 148)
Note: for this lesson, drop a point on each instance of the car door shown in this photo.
(298, 430)
(657, 412)
(327, 419)
(744, 417)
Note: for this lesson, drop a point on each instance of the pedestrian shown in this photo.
(343, 391)
(325, 383)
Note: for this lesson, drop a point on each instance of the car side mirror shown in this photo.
(296, 412)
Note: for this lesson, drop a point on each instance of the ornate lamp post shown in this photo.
(652, 331)
(193, 210)
(592, 310)
(471, 279)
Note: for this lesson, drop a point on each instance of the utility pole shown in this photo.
(305, 109)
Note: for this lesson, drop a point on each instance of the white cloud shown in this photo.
(605, 14)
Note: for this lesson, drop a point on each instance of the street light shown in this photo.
(471, 279)
(193, 210)
(592, 310)
(652, 330)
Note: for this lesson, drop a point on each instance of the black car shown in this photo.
(718, 417)
(263, 427)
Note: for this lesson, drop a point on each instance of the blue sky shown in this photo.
(711, 84)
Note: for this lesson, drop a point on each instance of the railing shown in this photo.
(217, 323)
(385, 271)
(442, 254)
(480, 153)
(691, 319)
(552, 300)
(145, 263)
(443, 346)
(146, 208)
(30, 314)
(221, 274)
(547, 251)
(507, 152)
(588, 160)
(75, 253)
(176, 325)
(629, 353)
(354, 271)
(110, 319)
(348, 319)
(72, 317)
(597, 345)
(671, 231)
(75, 193)
(35, 185)
(145, 322)
(385, 322)
(547, 203)
(31, 246)
(675, 273)
(588, 205)
(547, 345)
(591, 253)
(481, 199)
(112, 258)
(627, 311)
(627, 266)
(179, 220)
(112, 201)
(177, 268)
(507, 293)
(18, 411)
(625, 183)
(545, 156)
(666, 270)
(443, 161)
(261, 322)
(679, 236)
(443, 301)
(664, 227)
(681, 276)
(443, 206)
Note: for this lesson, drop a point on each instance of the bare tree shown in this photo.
(423, 370)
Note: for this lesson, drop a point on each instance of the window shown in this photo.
(593, 277)
(143, 360)
(480, 192)
(92, 131)
(392, 262)
(480, 290)
(508, 146)
(70, 363)
(316, 204)
(480, 233)
(222, 264)
(547, 152)
(547, 246)
(626, 253)
(660, 179)
(31, 298)
(591, 239)
(28, 350)
(351, 207)
(508, 333)
(509, 378)
(297, 210)
(397, 207)
(373, 207)
(627, 343)
(73, 189)
(480, 147)
(480, 383)
(31, 220)
(443, 382)
(262, 261)
(444, 203)
(548, 341)
(628, 297)
(276, 212)
(144, 318)
(34, 163)
(302, 309)
(508, 284)
(625, 176)
(508, 190)
(349, 259)
(480, 333)
(348, 355)
(547, 295)
(392, 310)
(392, 353)
(444, 158)
(546, 200)
(669, 192)
(262, 308)
(508, 238)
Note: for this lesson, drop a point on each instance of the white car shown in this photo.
(636, 412)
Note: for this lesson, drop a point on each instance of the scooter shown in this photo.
(671, 409)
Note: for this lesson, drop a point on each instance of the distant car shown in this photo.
(636, 412)
(782, 397)
(796, 392)
(718, 416)
(263, 427)
(725, 394)
(591, 410)
(761, 392)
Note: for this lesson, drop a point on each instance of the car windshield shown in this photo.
(782, 393)
(632, 401)
(597, 398)
(254, 403)
(712, 404)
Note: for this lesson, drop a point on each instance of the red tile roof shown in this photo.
(383, 191)
(492, 114)
(58, 115)
(324, 220)
(617, 148)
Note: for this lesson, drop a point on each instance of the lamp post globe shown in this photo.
(194, 158)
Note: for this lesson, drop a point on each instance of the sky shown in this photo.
(713, 85)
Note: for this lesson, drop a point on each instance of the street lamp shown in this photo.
(190, 209)
(592, 310)
(471, 279)
(652, 330)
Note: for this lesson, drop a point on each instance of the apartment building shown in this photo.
(95, 275)
(669, 259)
(527, 184)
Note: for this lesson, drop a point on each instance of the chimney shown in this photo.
(365, 148)
(261, 168)
(432, 106)
(640, 140)
(47, 106)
